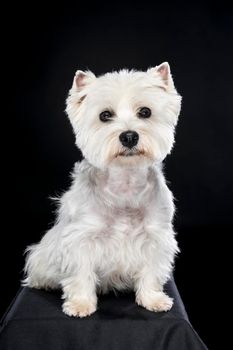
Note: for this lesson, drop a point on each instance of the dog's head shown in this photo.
(124, 117)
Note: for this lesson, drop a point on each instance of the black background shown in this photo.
(47, 46)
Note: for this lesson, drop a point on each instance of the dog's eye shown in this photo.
(105, 116)
(144, 112)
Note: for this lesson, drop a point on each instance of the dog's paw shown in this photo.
(158, 302)
(79, 307)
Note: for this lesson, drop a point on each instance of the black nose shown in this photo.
(129, 138)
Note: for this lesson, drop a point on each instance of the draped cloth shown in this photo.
(35, 321)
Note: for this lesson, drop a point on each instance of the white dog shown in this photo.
(114, 225)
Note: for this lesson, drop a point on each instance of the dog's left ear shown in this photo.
(165, 73)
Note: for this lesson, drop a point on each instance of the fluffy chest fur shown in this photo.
(119, 220)
(119, 208)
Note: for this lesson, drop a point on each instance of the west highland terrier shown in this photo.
(114, 225)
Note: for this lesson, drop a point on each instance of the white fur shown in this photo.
(114, 225)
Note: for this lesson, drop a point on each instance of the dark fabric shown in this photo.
(35, 321)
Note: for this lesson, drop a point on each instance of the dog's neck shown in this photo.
(123, 178)
(124, 185)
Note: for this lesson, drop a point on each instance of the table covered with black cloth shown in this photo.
(35, 321)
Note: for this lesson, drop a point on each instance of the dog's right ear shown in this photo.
(82, 79)
(78, 92)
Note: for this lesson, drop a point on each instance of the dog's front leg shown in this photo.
(79, 293)
(149, 292)
(156, 268)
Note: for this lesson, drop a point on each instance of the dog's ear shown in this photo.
(78, 91)
(82, 79)
(164, 70)
(165, 73)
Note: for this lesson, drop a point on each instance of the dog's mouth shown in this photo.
(130, 152)
(130, 156)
